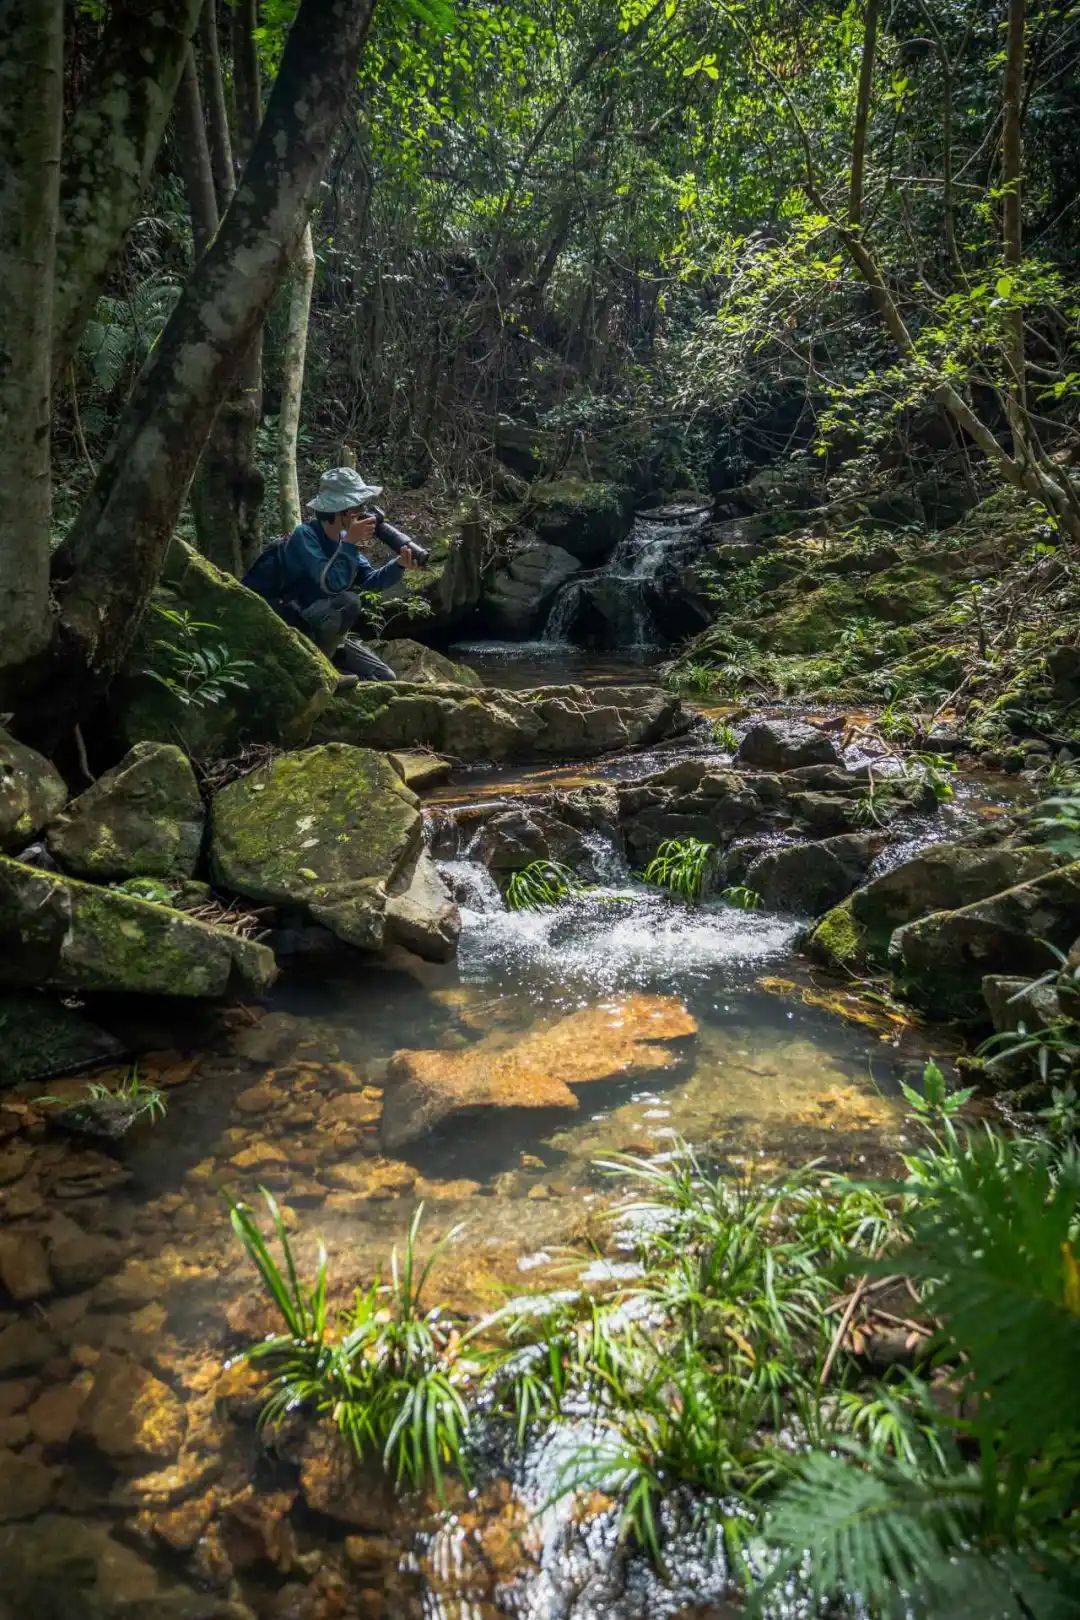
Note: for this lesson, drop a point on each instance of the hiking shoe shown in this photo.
(345, 683)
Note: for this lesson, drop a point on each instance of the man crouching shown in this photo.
(324, 568)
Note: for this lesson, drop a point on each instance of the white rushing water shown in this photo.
(615, 606)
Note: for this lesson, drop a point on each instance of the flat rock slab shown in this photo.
(542, 722)
(43, 1039)
(327, 829)
(143, 818)
(59, 932)
(617, 1037)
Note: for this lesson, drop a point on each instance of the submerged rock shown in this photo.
(27, 1484)
(130, 1415)
(144, 818)
(328, 829)
(284, 686)
(944, 957)
(781, 745)
(70, 935)
(856, 933)
(32, 791)
(425, 1088)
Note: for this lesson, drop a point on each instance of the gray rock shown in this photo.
(423, 666)
(59, 932)
(44, 1038)
(807, 878)
(946, 956)
(328, 830)
(31, 792)
(519, 594)
(143, 818)
(422, 915)
(584, 518)
(857, 932)
(780, 745)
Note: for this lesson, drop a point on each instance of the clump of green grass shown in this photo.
(741, 897)
(383, 1369)
(681, 865)
(110, 1111)
(541, 884)
(725, 736)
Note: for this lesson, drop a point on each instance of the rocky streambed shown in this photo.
(427, 1042)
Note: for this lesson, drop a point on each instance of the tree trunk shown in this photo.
(1011, 161)
(108, 566)
(213, 97)
(110, 146)
(31, 96)
(195, 157)
(862, 114)
(292, 382)
(227, 490)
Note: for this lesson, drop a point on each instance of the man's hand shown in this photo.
(406, 559)
(361, 531)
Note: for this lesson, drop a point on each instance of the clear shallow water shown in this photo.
(289, 1096)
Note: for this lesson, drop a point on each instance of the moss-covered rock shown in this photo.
(59, 932)
(856, 933)
(32, 791)
(422, 666)
(583, 518)
(285, 686)
(328, 830)
(543, 722)
(144, 818)
(945, 956)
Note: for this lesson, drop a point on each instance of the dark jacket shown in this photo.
(315, 567)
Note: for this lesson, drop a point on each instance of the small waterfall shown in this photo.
(616, 606)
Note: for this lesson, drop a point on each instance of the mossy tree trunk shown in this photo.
(108, 565)
(110, 145)
(227, 490)
(31, 66)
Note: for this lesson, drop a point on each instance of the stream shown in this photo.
(780, 1070)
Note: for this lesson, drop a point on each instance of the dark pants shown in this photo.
(328, 622)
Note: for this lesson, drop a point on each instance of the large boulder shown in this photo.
(945, 957)
(518, 596)
(586, 519)
(781, 745)
(569, 722)
(856, 933)
(421, 914)
(423, 666)
(449, 589)
(424, 1088)
(282, 689)
(31, 792)
(327, 830)
(59, 932)
(144, 818)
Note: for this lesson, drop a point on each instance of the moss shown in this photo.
(586, 519)
(838, 939)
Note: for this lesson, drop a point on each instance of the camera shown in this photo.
(396, 538)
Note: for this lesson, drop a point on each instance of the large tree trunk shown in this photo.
(31, 99)
(1011, 164)
(108, 565)
(227, 490)
(110, 146)
(292, 382)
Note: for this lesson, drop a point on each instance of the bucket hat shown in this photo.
(340, 488)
